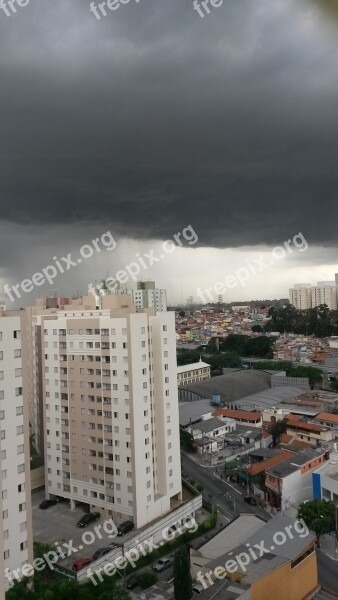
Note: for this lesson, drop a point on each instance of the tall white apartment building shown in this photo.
(147, 296)
(111, 408)
(304, 296)
(325, 292)
(300, 296)
(16, 542)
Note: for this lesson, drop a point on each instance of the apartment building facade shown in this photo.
(16, 542)
(199, 371)
(148, 296)
(304, 296)
(300, 296)
(111, 409)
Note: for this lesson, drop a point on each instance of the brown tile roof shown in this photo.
(327, 417)
(260, 467)
(238, 414)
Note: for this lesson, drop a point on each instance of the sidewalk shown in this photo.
(328, 546)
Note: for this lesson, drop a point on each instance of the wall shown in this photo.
(286, 583)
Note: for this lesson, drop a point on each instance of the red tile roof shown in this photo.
(327, 417)
(238, 414)
(260, 467)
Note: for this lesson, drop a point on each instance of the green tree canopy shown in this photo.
(182, 575)
(318, 515)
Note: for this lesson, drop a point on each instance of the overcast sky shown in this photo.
(153, 119)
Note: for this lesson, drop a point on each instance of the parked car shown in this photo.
(47, 503)
(88, 518)
(132, 582)
(250, 500)
(124, 527)
(198, 588)
(81, 563)
(101, 552)
(162, 564)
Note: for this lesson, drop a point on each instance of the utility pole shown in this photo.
(336, 531)
(121, 546)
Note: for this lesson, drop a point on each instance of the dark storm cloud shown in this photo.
(153, 118)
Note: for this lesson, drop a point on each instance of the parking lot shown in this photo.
(58, 525)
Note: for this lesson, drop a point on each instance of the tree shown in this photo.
(186, 440)
(182, 575)
(256, 329)
(318, 515)
(334, 386)
(276, 429)
(181, 314)
(312, 373)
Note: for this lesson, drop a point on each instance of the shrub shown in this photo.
(147, 579)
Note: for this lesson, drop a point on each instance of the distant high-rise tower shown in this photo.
(148, 296)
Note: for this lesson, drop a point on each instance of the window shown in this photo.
(22, 506)
(19, 410)
(6, 554)
(17, 353)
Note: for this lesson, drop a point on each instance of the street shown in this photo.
(213, 485)
(327, 572)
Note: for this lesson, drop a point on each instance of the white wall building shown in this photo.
(304, 296)
(300, 296)
(111, 408)
(192, 373)
(16, 544)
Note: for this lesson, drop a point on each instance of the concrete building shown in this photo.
(307, 431)
(211, 428)
(250, 419)
(325, 292)
(300, 296)
(147, 296)
(290, 482)
(325, 480)
(304, 296)
(111, 408)
(16, 539)
(187, 374)
(328, 420)
(286, 571)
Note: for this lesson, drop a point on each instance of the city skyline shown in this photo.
(243, 147)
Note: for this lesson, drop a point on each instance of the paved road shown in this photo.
(327, 572)
(217, 488)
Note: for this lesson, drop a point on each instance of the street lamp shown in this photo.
(121, 546)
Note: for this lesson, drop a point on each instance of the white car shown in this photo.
(162, 564)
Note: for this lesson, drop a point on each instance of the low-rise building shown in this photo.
(287, 570)
(308, 432)
(328, 420)
(290, 482)
(325, 480)
(211, 428)
(250, 419)
(192, 373)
